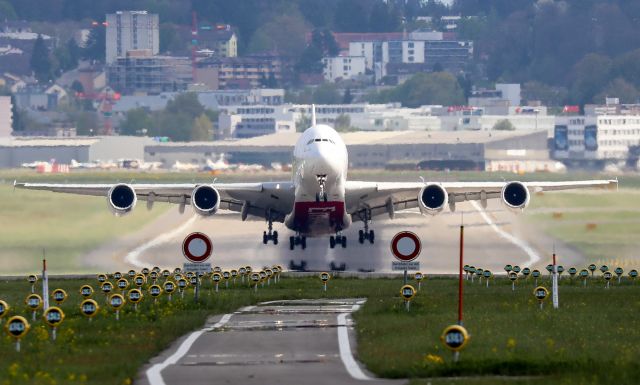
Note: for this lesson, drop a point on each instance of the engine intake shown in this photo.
(205, 200)
(122, 199)
(515, 196)
(432, 199)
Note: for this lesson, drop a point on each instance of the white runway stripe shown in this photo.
(133, 256)
(533, 256)
(345, 348)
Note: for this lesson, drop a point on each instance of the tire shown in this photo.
(344, 242)
(303, 242)
(275, 240)
(332, 242)
(292, 243)
(361, 236)
(264, 238)
(372, 237)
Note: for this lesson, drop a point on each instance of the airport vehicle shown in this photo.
(318, 200)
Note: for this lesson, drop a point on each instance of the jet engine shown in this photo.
(515, 196)
(432, 199)
(205, 200)
(122, 199)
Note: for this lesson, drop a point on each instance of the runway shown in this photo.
(282, 342)
(493, 238)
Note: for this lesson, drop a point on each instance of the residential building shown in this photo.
(141, 73)
(131, 30)
(34, 97)
(343, 67)
(6, 116)
(240, 72)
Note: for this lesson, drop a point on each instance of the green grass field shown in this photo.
(594, 338)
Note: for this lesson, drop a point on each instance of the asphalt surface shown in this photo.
(282, 342)
(493, 238)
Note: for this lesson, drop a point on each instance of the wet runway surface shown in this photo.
(282, 342)
(493, 237)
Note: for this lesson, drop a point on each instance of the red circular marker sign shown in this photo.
(197, 247)
(406, 246)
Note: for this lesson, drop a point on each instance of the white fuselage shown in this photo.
(320, 164)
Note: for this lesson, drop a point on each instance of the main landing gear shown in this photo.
(366, 234)
(297, 240)
(270, 235)
(338, 240)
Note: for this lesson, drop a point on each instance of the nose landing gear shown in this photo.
(270, 235)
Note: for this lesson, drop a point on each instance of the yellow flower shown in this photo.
(511, 343)
(433, 358)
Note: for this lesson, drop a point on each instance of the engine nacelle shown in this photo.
(432, 199)
(205, 200)
(122, 199)
(515, 196)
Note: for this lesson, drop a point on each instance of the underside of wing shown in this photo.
(366, 200)
(264, 200)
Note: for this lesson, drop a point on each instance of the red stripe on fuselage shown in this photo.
(319, 217)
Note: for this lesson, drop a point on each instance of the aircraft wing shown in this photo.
(258, 198)
(379, 198)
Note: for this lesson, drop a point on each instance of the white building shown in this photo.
(5, 116)
(343, 67)
(131, 30)
(595, 137)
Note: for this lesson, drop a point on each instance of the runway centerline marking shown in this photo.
(345, 347)
(154, 373)
(533, 256)
(133, 255)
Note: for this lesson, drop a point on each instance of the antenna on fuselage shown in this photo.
(313, 115)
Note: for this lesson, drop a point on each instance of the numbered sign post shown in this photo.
(405, 247)
(34, 302)
(234, 275)
(255, 279)
(592, 268)
(479, 273)
(526, 271)
(472, 273)
(263, 276)
(123, 284)
(102, 278)
(106, 288)
(607, 277)
(131, 274)
(513, 276)
(418, 277)
(135, 296)
(86, 291)
(242, 271)
(169, 287)
(182, 284)
(541, 293)
(536, 274)
(117, 275)
(216, 278)
(89, 308)
(572, 272)
(584, 273)
(633, 274)
(116, 301)
(32, 278)
(325, 277)
(487, 275)
(226, 276)
(4, 309)
(17, 327)
(155, 291)
(53, 316)
(269, 273)
(407, 292)
(139, 280)
(619, 271)
(455, 338)
(59, 296)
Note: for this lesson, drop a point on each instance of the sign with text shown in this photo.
(409, 266)
(197, 267)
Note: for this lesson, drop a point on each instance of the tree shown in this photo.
(342, 123)
(303, 123)
(41, 61)
(326, 93)
(95, 48)
(384, 17)
(351, 16)
(137, 122)
(347, 98)
(590, 75)
(433, 88)
(202, 129)
(77, 87)
(6, 11)
(618, 88)
(284, 33)
(17, 122)
(503, 125)
(186, 103)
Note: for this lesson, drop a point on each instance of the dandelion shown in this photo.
(511, 343)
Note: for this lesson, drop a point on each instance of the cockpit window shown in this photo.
(320, 140)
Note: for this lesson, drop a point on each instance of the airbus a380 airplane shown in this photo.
(318, 200)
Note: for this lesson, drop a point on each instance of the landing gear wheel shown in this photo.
(303, 242)
(372, 236)
(275, 237)
(265, 239)
(332, 242)
(292, 243)
(361, 236)
(344, 242)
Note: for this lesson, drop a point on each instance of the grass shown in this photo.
(602, 227)
(63, 224)
(593, 338)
